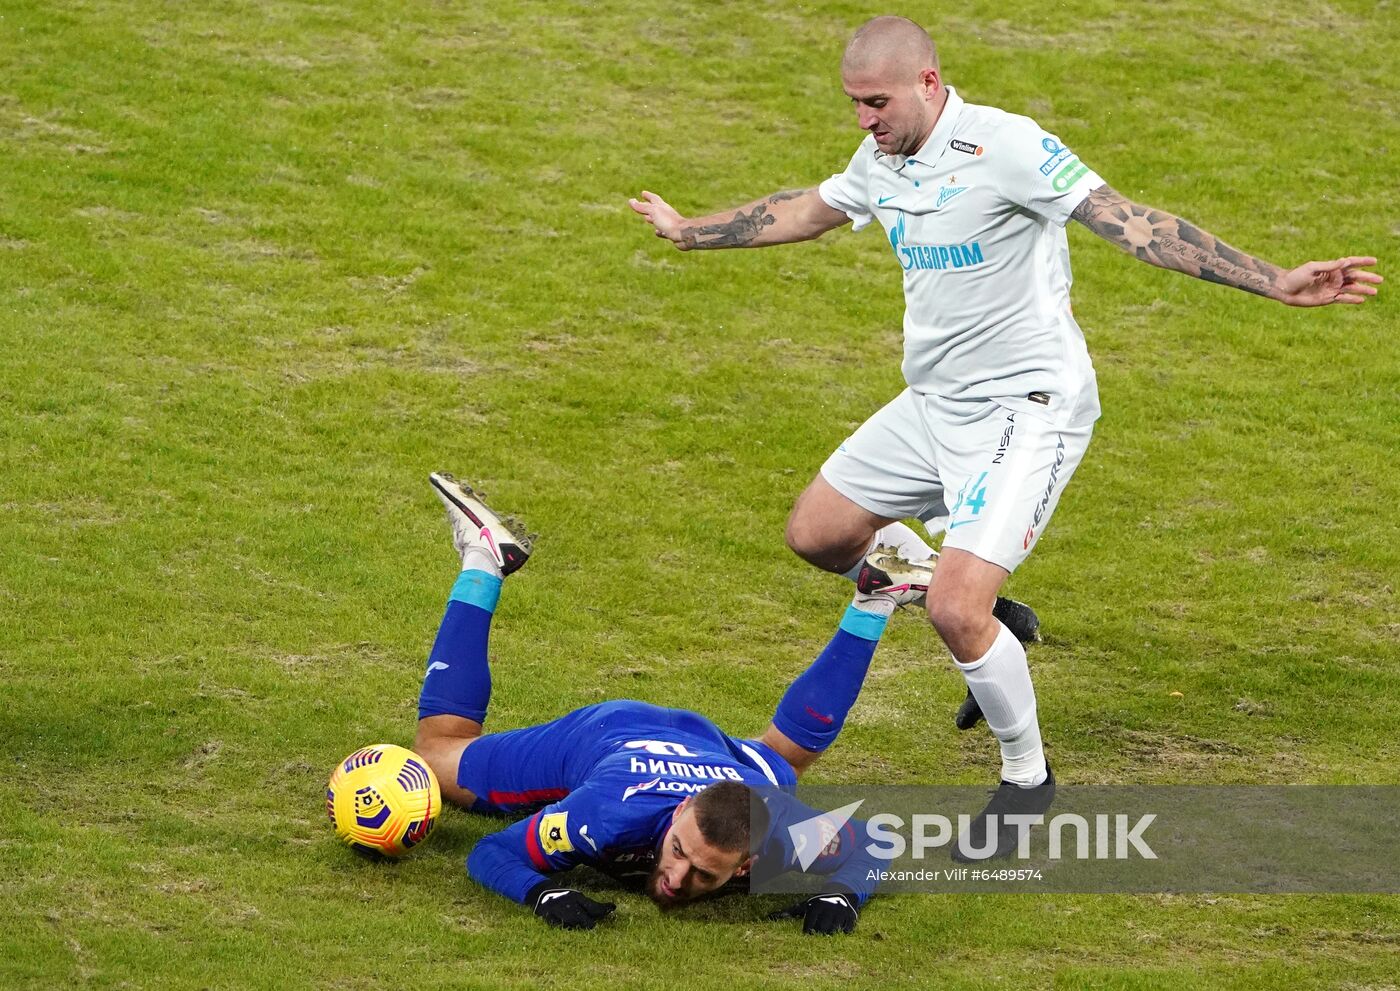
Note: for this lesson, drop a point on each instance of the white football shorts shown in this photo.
(988, 475)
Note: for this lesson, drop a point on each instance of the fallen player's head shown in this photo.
(709, 842)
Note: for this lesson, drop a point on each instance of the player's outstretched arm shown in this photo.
(784, 217)
(516, 861)
(1167, 241)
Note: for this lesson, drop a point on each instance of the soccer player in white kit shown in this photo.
(1001, 398)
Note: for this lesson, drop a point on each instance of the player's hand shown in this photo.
(1320, 283)
(665, 221)
(823, 915)
(570, 909)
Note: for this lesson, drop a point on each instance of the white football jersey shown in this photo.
(976, 220)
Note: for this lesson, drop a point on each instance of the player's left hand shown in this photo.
(823, 915)
(1321, 283)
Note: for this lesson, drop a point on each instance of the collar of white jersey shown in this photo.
(928, 152)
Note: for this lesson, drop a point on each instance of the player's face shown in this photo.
(898, 109)
(688, 867)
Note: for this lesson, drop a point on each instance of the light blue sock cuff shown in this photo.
(477, 588)
(866, 625)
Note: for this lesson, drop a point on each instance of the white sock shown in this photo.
(903, 539)
(880, 605)
(906, 541)
(480, 559)
(1000, 681)
(854, 571)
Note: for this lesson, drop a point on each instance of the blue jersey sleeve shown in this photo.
(578, 829)
(800, 838)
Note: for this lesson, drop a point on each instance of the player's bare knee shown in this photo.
(431, 748)
(801, 540)
(444, 756)
(425, 742)
(440, 740)
(799, 757)
(958, 620)
(446, 727)
(816, 543)
(827, 530)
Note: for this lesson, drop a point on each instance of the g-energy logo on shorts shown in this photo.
(933, 257)
(1044, 502)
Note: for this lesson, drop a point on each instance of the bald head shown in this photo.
(889, 45)
(890, 72)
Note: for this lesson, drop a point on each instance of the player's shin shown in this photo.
(1000, 680)
(814, 708)
(458, 679)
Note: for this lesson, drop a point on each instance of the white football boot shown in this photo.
(884, 572)
(475, 525)
(907, 583)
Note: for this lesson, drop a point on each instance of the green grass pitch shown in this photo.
(265, 265)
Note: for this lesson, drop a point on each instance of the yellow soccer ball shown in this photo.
(383, 799)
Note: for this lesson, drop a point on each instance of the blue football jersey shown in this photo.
(615, 801)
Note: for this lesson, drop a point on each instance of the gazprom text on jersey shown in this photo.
(939, 256)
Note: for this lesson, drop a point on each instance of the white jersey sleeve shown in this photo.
(1042, 175)
(849, 191)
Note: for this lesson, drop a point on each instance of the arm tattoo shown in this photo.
(732, 233)
(1162, 239)
(740, 231)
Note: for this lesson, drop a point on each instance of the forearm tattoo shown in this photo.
(740, 231)
(1167, 241)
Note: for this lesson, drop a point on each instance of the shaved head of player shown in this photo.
(890, 72)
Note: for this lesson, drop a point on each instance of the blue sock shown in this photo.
(458, 681)
(814, 707)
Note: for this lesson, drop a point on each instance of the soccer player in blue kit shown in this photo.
(634, 790)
